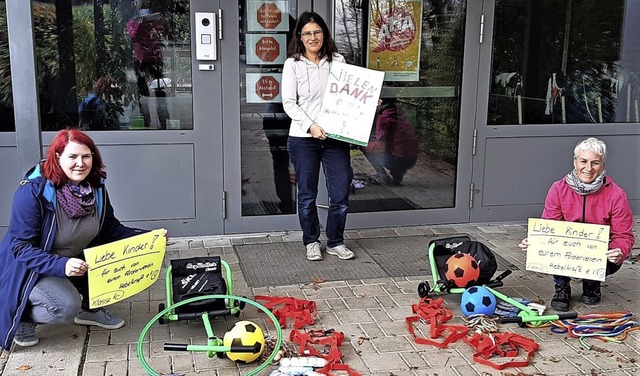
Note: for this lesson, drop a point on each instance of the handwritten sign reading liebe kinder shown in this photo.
(570, 249)
(124, 268)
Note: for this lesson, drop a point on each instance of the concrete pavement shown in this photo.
(370, 312)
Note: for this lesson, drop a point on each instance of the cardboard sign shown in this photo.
(350, 102)
(124, 268)
(571, 249)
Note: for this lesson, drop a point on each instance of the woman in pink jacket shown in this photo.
(588, 195)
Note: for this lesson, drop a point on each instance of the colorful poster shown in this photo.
(265, 15)
(266, 49)
(394, 38)
(350, 102)
(571, 249)
(263, 87)
(124, 268)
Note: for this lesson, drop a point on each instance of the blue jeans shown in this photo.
(307, 155)
(53, 300)
(611, 268)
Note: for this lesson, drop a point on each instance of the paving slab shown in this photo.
(367, 299)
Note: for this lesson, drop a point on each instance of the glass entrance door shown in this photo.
(414, 170)
(125, 72)
(411, 160)
(414, 160)
(552, 73)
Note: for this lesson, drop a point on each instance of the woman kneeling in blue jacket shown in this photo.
(61, 208)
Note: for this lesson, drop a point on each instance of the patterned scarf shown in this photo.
(582, 188)
(76, 200)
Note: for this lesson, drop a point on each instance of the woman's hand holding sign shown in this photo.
(317, 132)
(615, 256)
(75, 267)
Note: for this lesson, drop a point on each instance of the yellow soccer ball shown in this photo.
(244, 333)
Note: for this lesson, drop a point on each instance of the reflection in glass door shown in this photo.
(412, 163)
(565, 62)
(268, 181)
(411, 160)
(117, 65)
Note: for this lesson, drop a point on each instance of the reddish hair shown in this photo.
(51, 168)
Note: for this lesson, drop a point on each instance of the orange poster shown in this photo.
(394, 38)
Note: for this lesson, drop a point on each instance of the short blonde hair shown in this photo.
(591, 144)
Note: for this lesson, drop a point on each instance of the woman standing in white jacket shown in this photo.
(304, 78)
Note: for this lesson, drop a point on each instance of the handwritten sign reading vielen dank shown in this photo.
(124, 268)
(350, 102)
(570, 249)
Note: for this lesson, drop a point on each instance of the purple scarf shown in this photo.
(76, 200)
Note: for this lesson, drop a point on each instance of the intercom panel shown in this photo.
(206, 37)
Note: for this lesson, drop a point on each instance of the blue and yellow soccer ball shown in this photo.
(478, 300)
(244, 333)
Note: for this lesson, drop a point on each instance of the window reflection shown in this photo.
(113, 65)
(7, 120)
(428, 110)
(560, 62)
(268, 180)
(410, 162)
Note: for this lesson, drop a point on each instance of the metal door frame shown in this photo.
(519, 193)
(205, 139)
(236, 223)
(463, 199)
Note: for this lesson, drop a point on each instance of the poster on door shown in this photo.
(395, 29)
(263, 87)
(266, 49)
(349, 103)
(265, 15)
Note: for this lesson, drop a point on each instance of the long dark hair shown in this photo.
(296, 47)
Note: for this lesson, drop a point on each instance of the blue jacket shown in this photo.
(25, 251)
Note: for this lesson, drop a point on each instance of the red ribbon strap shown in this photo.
(431, 312)
(301, 312)
(337, 367)
(329, 338)
(504, 345)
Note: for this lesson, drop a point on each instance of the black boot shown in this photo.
(591, 294)
(560, 300)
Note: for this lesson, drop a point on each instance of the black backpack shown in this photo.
(445, 248)
(198, 276)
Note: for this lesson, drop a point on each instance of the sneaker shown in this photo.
(26, 335)
(357, 184)
(591, 294)
(99, 317)
(341, 251)
(313, 252)
(560, 300)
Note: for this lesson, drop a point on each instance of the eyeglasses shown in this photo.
(309, 34)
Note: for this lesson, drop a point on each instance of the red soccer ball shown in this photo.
(463, 270)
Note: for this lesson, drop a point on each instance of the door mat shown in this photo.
(381, 204)
(281, 264)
